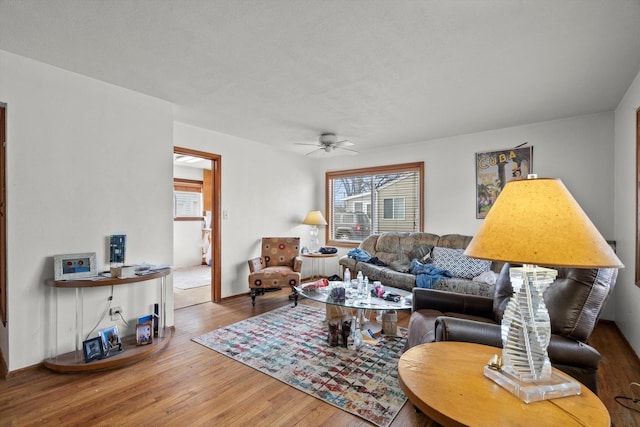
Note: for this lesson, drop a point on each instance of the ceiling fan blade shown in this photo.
(350, 150)
(314, 151)
(344, 143)
(306, 143)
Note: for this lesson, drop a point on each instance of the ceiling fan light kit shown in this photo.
(328, 142)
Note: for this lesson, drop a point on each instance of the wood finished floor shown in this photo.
(188, 384)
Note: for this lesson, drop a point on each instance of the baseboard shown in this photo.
(24, 371)
(4, 372)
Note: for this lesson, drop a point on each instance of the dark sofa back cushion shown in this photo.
(574, 300)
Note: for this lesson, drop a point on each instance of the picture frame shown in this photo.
(494, 169)
(111, 341)
(144, 333)
(92, 349)
(75, 266)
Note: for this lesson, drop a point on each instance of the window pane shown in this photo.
(374, 200)
(388, 209)
(187, 204)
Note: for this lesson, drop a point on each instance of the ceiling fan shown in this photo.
(328, 142)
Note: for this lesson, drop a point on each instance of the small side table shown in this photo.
(445, 380)
(315, 262)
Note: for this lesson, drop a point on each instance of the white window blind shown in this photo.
(374, 200)
(187, 204)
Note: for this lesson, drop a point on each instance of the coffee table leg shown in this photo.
(365, 324)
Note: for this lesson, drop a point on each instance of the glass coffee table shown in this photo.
(361, 303)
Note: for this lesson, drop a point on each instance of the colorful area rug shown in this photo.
(290, 344)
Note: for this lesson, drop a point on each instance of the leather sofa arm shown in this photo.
(567, 351)
(465, 330)
(450, 302)
(561, 350)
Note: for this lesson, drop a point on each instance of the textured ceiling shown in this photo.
(374, 72)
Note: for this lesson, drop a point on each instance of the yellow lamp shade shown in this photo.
(537, 221)
(314, 218)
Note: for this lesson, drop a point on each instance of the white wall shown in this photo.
(85, 159)
(577, 150)
(627, 294)
(187, 243)
(265, 192)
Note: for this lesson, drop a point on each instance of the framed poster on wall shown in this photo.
(494, 169)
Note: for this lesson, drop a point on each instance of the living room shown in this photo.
(87, 158)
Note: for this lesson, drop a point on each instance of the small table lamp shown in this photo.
(314, 219)
(535, 222)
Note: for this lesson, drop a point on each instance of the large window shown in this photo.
(361, 202)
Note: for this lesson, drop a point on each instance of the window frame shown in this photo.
(394, 217)
(375, 170)
(189, 186)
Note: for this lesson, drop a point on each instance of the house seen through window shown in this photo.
(374, 200)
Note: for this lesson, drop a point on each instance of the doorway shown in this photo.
(211, 225)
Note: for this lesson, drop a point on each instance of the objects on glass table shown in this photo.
(378, 290)
(338, 294)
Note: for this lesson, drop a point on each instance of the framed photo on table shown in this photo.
(92, 349)
(75, 266)
(144, 333)
(111, 341)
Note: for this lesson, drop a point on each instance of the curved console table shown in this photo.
(74, 361)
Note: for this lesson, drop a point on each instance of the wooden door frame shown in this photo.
(3, 213)
(216, 216)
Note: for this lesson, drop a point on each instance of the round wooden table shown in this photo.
(445, 380)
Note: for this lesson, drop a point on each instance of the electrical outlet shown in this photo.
(115, 313)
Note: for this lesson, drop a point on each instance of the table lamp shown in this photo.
(535, 222)
(314, 219)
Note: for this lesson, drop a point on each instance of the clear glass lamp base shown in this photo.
(557, 385)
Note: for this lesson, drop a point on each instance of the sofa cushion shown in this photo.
(399, 266)
(465, 286)
(458, 264)
(422, 253)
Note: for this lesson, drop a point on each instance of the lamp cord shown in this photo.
(624, 400)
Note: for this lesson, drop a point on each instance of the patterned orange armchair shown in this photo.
(278, 266)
